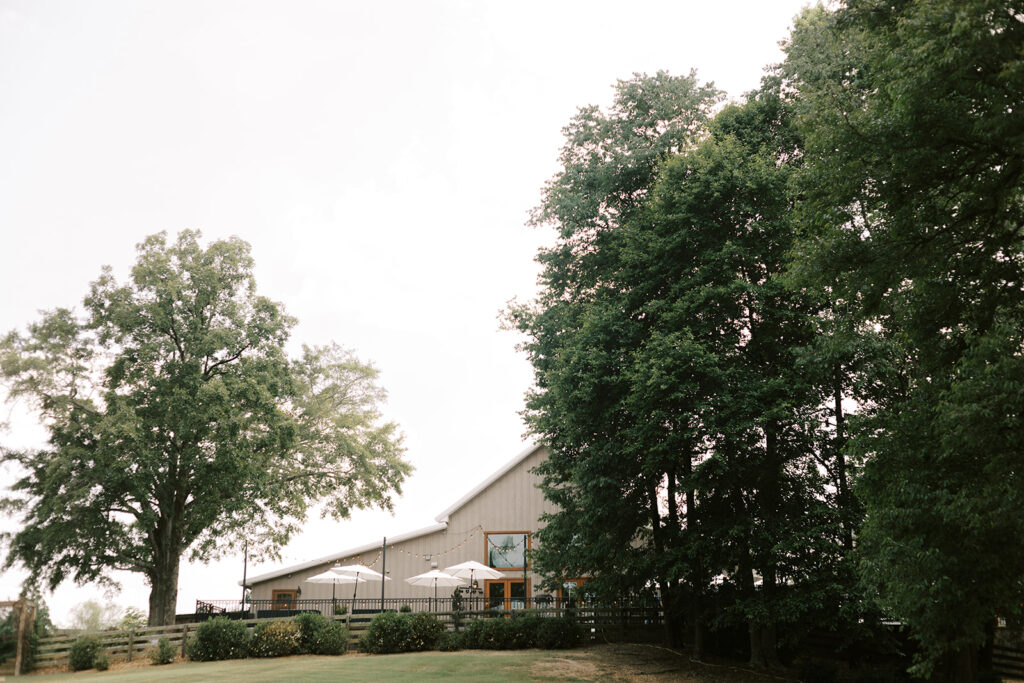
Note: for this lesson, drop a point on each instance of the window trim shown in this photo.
(529, 546)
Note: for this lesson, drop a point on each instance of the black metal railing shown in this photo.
(369, 606)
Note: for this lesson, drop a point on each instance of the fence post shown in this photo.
(19, 646)
(131, 641)
(184, 639)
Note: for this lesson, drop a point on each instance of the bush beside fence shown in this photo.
(598, 624)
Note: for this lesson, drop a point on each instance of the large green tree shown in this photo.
(178, 424)
(665, 349)
(580, 342)
(721, 381)
(913, 211)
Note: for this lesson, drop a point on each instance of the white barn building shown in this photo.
(491, 524)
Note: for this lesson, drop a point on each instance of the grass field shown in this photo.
(428, 666)
(608, 662)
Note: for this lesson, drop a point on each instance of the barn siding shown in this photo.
(511, 503)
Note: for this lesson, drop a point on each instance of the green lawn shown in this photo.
(452, 666)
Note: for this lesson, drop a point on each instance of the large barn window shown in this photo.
(506, 549)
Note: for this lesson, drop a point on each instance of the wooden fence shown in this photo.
(599, 624)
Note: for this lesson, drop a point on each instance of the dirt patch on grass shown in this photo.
(630, 662)
(138, 661)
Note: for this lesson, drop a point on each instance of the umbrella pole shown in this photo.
(355, 585)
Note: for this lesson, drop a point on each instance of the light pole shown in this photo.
(245, 567)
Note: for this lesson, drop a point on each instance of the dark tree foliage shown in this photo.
(682, 432)
(913, 188)
(610, 163)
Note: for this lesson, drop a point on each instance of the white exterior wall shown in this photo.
(511, 503)
(401, 564)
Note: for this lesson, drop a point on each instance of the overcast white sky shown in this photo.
(380, 157)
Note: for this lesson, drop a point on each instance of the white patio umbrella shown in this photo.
(434, 578)
(360, 571)
(471, 569)
(334, 579)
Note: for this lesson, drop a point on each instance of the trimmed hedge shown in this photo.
(388, 632)
(217, 639)
(394, 632)
(558, 633)
(318, 636)
(425, 631)
(309, 633)
(449, 642)
(401, 632)
(520, 632)
(275, 639)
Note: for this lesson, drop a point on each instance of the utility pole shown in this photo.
(245, 567)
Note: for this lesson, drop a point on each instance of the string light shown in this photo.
(470, 535)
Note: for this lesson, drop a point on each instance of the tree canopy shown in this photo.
(178, 424)
(667, 379)
(784, 342)
(913, 203)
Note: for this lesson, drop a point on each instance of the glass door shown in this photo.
(283, 599)
(517, 594)
(496, 595)
(507, 594)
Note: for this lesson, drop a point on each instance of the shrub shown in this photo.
(449, 642)
(405, 609)
(275, 639)
(102, 662)
(310, 625)
(425, 630)
(165, 653)
(83, 653)
(488, 634)
(522, 631)
(219, 638)
(318, 636)
(471, 634)
(557, 633)
(333, 640)
(387, 633)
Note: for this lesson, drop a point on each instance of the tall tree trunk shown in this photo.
(987, 650)
(698, 585)
(669, 589)
(163, 575)
(699, 628)
(747, 590)
(769, 639)
(964, 667)
(163, 593)
(763, 652)
(842, 482)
